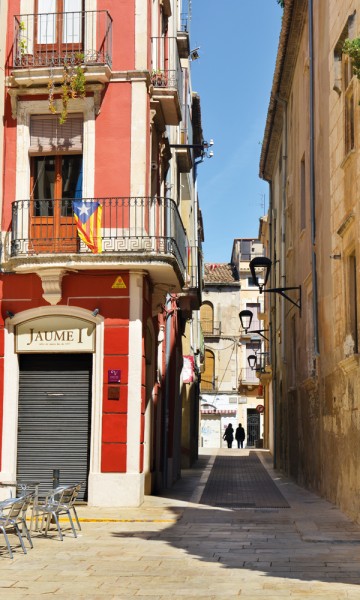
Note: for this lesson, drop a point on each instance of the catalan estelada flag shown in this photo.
(87, 215)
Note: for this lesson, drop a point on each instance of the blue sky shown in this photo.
(238, 42)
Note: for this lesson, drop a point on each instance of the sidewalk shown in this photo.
(174, 547)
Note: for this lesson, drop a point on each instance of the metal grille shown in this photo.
(54, 425)
(253, 427)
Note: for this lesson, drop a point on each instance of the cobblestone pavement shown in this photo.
(174, 547)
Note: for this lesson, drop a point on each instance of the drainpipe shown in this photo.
(312, 182)
(168, 340)
(283, 222)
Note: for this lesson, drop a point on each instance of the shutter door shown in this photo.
(54, 418)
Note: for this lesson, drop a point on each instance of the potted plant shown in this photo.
(158, 78)
(352, 49)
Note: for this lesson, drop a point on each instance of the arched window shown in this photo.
(207, 317)
(208, 376)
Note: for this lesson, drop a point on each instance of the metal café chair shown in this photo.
(73, 500)
(57, 502)
(23, 489)
(13, 514)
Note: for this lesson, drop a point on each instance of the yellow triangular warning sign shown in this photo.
(119, 283)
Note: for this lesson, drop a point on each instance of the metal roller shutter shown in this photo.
(54, 418)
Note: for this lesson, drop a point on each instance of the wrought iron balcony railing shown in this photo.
(52, 39)
(184, 22)
(166, 71)
(186, 129)
(211, 327)
(165, 78)
(141, 226)
(194, 268)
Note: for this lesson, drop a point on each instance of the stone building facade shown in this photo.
(230, 391)
(310, 157)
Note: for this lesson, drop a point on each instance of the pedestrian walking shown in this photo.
(229, 435)
(240, 436)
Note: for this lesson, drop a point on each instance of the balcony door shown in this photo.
(56, 179)
(55, 182)
(59, 28)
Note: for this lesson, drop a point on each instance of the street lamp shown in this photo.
(252, 361)
(204, 148)
(263, 264)
(245, 317)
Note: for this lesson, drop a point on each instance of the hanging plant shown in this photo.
(73, 86)
(51, 91)
(352, 49)
(22, 38)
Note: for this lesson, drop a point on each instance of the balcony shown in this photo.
(191, 298)
(167, 83)
(133, 231)
(183, 41)
(211, 328)
(44, 43)
(184, 154)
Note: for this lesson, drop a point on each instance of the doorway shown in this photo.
(253, 426)
(54, 419)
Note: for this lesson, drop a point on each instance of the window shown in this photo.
(251, 282)
(207, 318)
(55, 181)
(208, 376)
(349, 119)
(59, 22)
(302, 194)
(353, 317)
(255, 308)
(252, 348)
(293, 364)
(343, 82)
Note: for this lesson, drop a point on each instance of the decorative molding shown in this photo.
(51, 283)
(350, 363)
(347, 221)
(13, 92)
(310, 384)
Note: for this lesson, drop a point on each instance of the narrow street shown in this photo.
(230, 528)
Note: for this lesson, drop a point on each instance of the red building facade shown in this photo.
(96, 261)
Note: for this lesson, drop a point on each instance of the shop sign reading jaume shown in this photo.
(55, 334)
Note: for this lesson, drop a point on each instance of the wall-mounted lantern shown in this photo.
(252, 361)
(246, 317)
(263, 264)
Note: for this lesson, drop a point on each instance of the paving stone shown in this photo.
(174, 547)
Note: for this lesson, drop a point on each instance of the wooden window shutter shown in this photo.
(208, 376)
(207, 318)
(47, 135)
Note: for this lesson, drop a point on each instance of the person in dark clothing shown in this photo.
(240, 436)
(229, 435)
